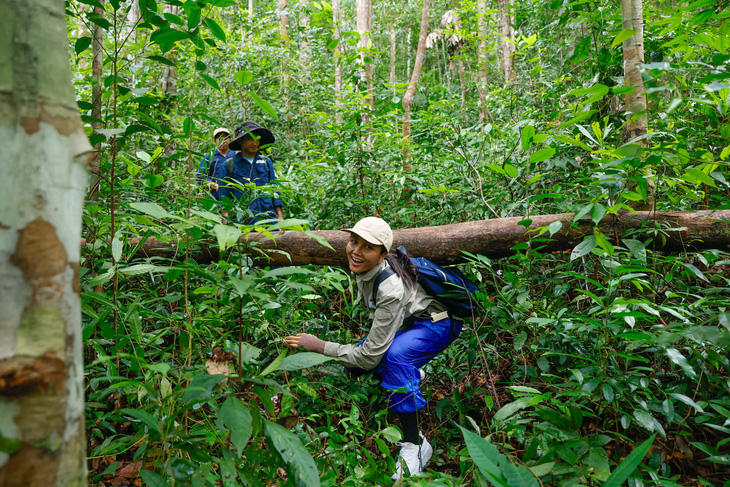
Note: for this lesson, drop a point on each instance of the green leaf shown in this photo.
(81, 44)
(511, 170)
(597, 213)
(211, 81)
(263, 104)
(137, 269)
(117, 246)
(637, 248)
(152, 479)
(526, 138)
(299, 464)
(215, 29)
(243, 77)
(485, 456)
(391, 434)
(697, 176)
(622, 36)
(627, 467)
(201, 387)
(555, 227)
(542, 155)
(152, 209)
(227, 236)
(150, 421)
(583, 248)
(188, 126)
(676, 356)
(302, 360)
(274, 365)
(519, 476)
(236, 417)
(517, 405)
(162, 59)
(687, 401)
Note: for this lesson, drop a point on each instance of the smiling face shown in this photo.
(249, 146)
(362, 255)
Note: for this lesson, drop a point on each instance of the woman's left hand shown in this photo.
(310, 342)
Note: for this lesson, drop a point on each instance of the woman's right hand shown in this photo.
(293, 341)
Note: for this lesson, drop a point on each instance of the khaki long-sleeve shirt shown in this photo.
(395, 303)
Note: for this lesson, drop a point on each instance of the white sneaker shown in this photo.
(423, 374)
(415, 457)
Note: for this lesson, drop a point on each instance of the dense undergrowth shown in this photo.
(603, 365)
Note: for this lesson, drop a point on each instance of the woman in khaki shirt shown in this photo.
(409, 328)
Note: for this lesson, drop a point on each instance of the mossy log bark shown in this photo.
(669, 231)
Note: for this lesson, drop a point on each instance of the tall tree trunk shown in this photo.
(393, 52)
(508, 33)
(338, 61)
(42, 185)
(483, 59)
(364, 28)
(305, 54)
(96, 89)
(169, 73)
(284, 22)
(638, 120)
(413, 85)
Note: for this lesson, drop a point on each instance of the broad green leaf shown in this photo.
(82, 43)
(242, 284)
(637, 248)
(517, 405)
(299, 463)
(687, 401)
(622, 36)
(597, 213)
(243, 77)
(391, 434)
(302, 360)
(117, 246)
(526, 138)
(215, 29)
(644, 418)
(236, 417)
(695, 175)
(137, 269)
(542, 154)
(676, 356)
(603, 243)
(103, 278)
(555, 227)
(511, 170)
(201, 387)
(583, 248)
(227, 236)
(519, 475)
(274, 365)
(211, 81)
(150, 421)
(495, 168)
(264, 105)
(188, 126)
(151, 479)
(694, 270)
(627, 467)
(485, 456)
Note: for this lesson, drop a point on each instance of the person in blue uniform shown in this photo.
(212, 171)
(249, 166)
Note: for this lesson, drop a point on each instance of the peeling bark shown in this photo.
(41, 371)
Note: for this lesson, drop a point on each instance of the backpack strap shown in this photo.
(384, 274)
(229, 165)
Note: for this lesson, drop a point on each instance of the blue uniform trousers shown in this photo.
(412, 349)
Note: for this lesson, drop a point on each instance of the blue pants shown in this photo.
(411, 350)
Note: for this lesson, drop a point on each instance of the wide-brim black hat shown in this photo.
(251, 128)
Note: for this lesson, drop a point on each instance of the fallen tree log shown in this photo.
(668, 231)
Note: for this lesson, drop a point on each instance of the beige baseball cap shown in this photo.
(219, 131)
(374, 230)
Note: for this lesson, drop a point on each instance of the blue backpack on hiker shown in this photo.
(449, 286)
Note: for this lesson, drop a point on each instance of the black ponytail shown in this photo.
(403, 267)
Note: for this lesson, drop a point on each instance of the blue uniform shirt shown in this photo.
(259, 171)
(215, 170)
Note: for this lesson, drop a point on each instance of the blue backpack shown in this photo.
(449, 286)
